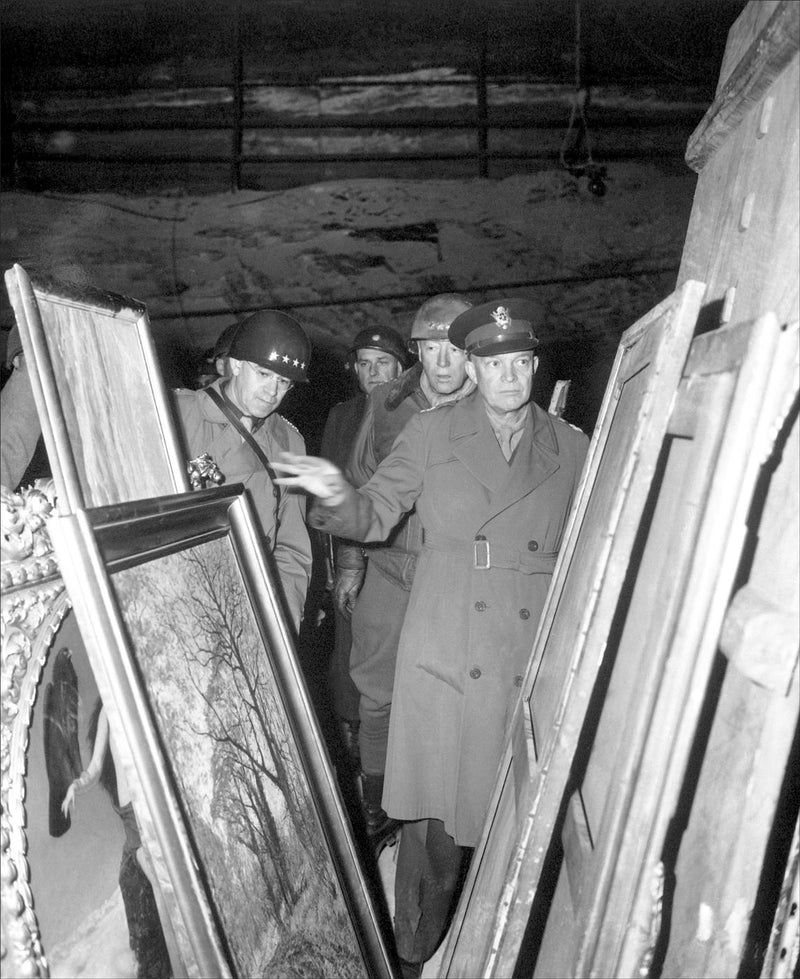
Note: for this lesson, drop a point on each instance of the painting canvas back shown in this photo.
(99, 393)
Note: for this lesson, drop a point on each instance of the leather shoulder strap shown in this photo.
(220, 402)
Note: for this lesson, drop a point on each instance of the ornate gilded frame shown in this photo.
(34, 603)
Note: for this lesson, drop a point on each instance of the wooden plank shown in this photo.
(667, 645)
(747, 26)
(625, 446)
(733, 844)
(730, 843)
(751, 265)
(577, 842)
(770, 52)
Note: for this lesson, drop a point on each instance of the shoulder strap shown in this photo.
(220, 402)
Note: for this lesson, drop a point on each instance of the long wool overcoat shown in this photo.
(469, 629)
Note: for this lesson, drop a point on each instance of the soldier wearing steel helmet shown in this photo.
(381, 574)
(376, 355)
(492, 478)
(268, 353)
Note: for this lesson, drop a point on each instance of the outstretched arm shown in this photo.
(91, 774)
(370, 512)
(316, 476)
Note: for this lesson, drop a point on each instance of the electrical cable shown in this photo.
(582, 139)
(671, 67)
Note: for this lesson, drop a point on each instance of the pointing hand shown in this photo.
(316, 476)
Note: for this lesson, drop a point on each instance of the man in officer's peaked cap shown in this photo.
(499, 326)
(491, 478)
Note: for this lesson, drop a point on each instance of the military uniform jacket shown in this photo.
(475, 603)
(206, 429)
(340, 429)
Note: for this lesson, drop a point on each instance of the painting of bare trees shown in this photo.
(230, 746)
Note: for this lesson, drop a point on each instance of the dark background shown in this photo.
(666, 51)
(102, 41)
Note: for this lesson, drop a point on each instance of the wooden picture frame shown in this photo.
(582, 889)
(494, 907)
(737, 390)
(213, 729)
(106, 420)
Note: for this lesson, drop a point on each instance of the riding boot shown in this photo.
(380, 826)
(349, 732)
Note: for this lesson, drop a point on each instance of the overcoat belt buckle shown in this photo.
(482, 555)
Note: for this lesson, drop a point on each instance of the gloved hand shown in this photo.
(346, 587)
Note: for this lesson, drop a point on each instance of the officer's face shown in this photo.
(374, 367)
(256, 390)
(505, 380)
(444, 365)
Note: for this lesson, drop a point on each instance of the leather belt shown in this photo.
(486, 555)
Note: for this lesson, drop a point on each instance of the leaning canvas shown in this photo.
(107, 441)
(212, 728)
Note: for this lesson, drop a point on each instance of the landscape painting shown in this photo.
(208, 674)
(233, 755)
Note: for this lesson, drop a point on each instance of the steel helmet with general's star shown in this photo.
(273, 340)
(435, 315)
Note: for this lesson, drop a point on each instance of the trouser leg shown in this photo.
(429, 864)
(344, 692)
(376, 626)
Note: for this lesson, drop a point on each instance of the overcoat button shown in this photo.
(533, 545)
(480, 606)
(524, 613)
(475, 673)
(517, 681)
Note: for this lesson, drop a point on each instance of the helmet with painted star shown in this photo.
(496, 327)
(435, 315)
(379, 338)
(273, 340)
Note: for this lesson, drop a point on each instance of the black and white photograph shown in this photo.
(400, 489)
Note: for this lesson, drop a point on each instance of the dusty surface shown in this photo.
(344, 255)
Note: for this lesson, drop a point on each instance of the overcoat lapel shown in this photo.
(474, 443)
(534, 461)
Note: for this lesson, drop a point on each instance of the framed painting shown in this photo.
(107, 441)
(597, 544)
(634, 773)
(77, 923)
(215, 741)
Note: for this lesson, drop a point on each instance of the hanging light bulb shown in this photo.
(596, 175)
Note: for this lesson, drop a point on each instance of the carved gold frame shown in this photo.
(34, 604)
